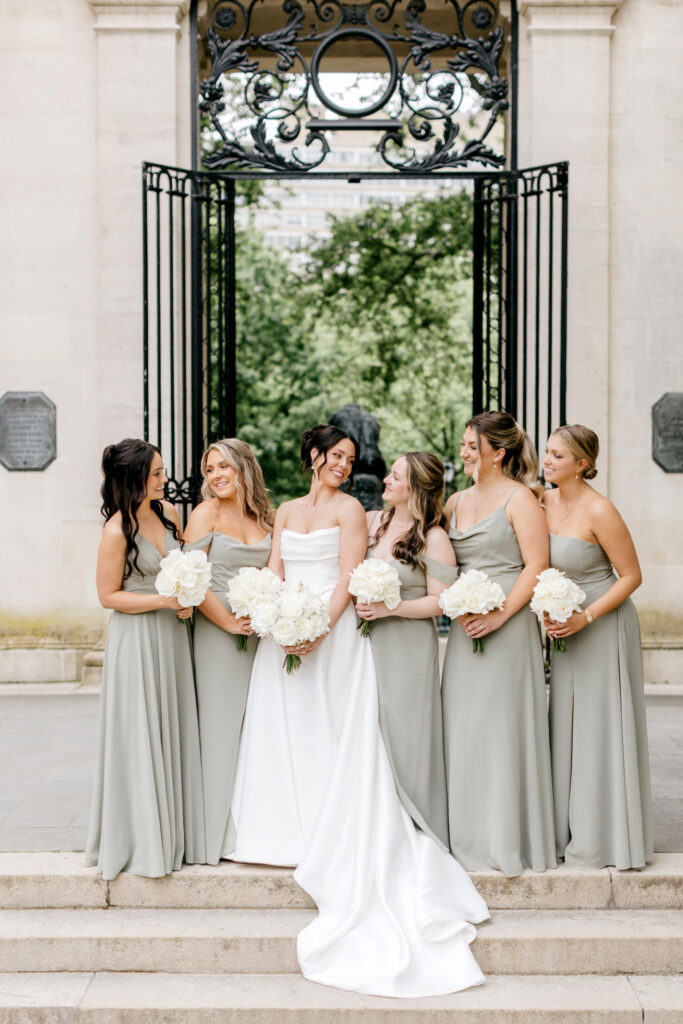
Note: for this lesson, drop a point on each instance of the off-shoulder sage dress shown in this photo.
(222, 675)
(500, 804)
(406, 656)
(598, 732)
(147, 813)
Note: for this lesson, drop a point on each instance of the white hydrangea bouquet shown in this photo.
(557, 595)
(375, 580)
(473, 593)
(247, 590)
(294, 616)
(185, 575)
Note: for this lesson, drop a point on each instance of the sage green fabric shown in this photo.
(598, 732)
(406, 656)
(147, 812)
(500, 807)
(222, 675)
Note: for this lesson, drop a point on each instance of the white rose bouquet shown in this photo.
(473, 593)
(294, 616)
(248, 590)
(375, 580)
(185, 575)
(558, 596)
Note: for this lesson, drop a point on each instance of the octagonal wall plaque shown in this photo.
(667, 432)
(28, 430)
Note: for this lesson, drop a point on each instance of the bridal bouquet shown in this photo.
(473, 593)
(375, 580)
(185, 575)
(294, 616)
(249, 589)
(558, 596)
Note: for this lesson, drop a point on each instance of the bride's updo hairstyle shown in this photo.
(126, 468)
(425, 486)
(250, 484)
(520, 461)
(323, 437)
(583, 443)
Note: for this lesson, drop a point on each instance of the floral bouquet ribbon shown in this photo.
(375, 580)
(247, 590)
(185, 575)
(473, 593)
(558, 596)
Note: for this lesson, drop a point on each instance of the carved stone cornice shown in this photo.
(575, 17)
(137, 16)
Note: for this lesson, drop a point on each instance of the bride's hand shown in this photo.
(304, 649)
(376, 610)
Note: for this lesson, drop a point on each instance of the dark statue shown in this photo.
(371, 468)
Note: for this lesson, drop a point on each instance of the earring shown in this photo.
(577, 476)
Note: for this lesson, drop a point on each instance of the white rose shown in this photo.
(263, 617)
(284, 633)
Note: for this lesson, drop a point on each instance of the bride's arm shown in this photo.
(275, 561)
(352, 545)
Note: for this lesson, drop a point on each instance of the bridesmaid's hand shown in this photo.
(239, 627)
(185, 613)
(560, 630)
(479, 626)
(376, 610)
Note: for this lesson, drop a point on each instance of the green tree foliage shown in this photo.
(379, 313)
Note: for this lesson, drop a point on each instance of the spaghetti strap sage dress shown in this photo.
(500, 804)
(598, 732)
(406, 656)
(147, 815)
(222, 673)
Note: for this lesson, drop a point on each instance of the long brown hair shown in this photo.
(520, 461)
(425, 485)
(250, 483)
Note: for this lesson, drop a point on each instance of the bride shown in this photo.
(314, 787)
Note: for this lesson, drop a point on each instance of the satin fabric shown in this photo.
(315, 788)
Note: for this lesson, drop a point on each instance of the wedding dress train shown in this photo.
(314, 788)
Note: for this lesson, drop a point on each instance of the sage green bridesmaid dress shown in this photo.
(147, 814)
(500, 804)
(406, 656)
(598, 731)
(222, 674)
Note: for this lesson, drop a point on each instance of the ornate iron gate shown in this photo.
(519, 243)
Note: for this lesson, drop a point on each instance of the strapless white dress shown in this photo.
(314, 788)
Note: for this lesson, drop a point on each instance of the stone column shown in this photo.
(565, 98)
(139, 113)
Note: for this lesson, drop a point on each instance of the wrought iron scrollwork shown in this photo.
(423, 91)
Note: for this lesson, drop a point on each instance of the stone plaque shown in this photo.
(28, 430)
(667, 432)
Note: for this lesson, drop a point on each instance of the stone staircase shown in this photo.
(209, 945)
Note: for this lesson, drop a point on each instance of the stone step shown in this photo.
(285, 999)
(54, 880)
(264, 941)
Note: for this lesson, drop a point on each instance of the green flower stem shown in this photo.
(291, 663)
(242, 642)
(559, 644)
(477, 645)
(365, 627)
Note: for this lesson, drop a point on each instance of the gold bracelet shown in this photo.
(589, 617)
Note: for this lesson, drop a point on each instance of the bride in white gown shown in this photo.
(314, 786)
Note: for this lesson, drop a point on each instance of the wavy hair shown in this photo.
(250, 484)
(126, 468)
(425, 487)
(583, 443)
(520, 461)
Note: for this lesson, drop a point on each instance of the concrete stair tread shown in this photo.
(276, 999)
(61, 880)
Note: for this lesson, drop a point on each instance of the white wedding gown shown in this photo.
(314, 788)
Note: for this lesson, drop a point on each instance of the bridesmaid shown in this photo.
(598, 733)
(494, 702)
(233, 525)
(405, 648)
(147, 815)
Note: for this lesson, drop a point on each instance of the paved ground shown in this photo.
(47, 753)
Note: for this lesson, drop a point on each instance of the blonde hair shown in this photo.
(520, 461)
(583, 443)
(425, 492)
(250, 485)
